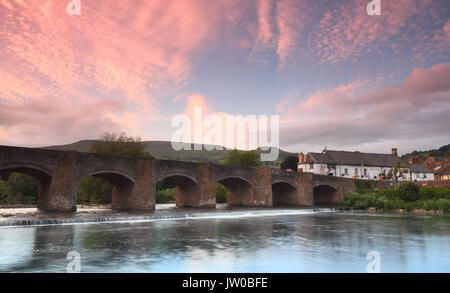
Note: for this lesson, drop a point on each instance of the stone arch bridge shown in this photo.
(134, 181)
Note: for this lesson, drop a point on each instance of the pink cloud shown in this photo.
(53, 120)
(348, 114)
(132, 52)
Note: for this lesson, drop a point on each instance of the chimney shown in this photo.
(301, 157)
(394, 152)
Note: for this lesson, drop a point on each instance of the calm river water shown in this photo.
(319, 242)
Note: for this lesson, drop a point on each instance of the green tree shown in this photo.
(221, 193)
(22, 189)
(123, 145)
(249, 159)
(408, 191)
(94, 190)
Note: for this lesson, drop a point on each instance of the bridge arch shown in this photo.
(114, 176)
(122, 185)
(324, 194)
(38, 172)
(187, 188)
(239, 189)
(283, 193)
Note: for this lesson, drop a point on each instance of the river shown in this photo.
(309, 242)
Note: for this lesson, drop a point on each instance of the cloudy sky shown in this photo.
(336, 76)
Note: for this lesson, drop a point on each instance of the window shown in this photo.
(311, 166)
(346, 171)
(331, 166)
(356, 171)
(365, 172)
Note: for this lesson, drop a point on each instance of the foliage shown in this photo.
(249, 159)
(221, 193)
(408, 191)
(443, 151)
(165, 195)
(362, 186)
(408, 196)
(93, 190)
(111, 144)
(426, 193)
(21, 189)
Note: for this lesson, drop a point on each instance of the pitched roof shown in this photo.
(444, 170)
(436, 158)
(352, 158)
(418, 168)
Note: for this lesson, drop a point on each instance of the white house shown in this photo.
(359, 165)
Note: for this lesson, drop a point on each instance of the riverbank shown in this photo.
(103, 214)
(408, 197)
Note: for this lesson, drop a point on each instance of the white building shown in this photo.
(359, 165)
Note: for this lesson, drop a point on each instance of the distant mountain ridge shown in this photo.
(163, 150)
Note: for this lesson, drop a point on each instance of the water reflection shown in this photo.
(321, 242)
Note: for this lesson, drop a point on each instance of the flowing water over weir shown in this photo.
(171, 216)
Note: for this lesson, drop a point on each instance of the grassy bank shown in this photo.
(407, 197)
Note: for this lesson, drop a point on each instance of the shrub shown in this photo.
(443, 193)
(22, 189)
(430, 205)
(388, 193)
(165, 195)
(426, 192)
(221, 193)
(380, 202)
(362, 186)
(443, 205)
(94, 190)
(408, 191)
(350, 199)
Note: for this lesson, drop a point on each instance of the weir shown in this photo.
(168, 216)
(134, 181)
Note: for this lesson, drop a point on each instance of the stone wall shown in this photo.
(436, 183)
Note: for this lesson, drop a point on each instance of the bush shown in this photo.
(350, 199)
(362, 186)
(426, 193)
(94, 190)
(391, 199)
(165, 195)
(443, 193)
(443, 205)
(408, 191)
(388, 193)
(430, 205)
(221, 193)
(22, 189)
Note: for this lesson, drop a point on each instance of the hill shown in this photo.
(163, 150)
(443, 151)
